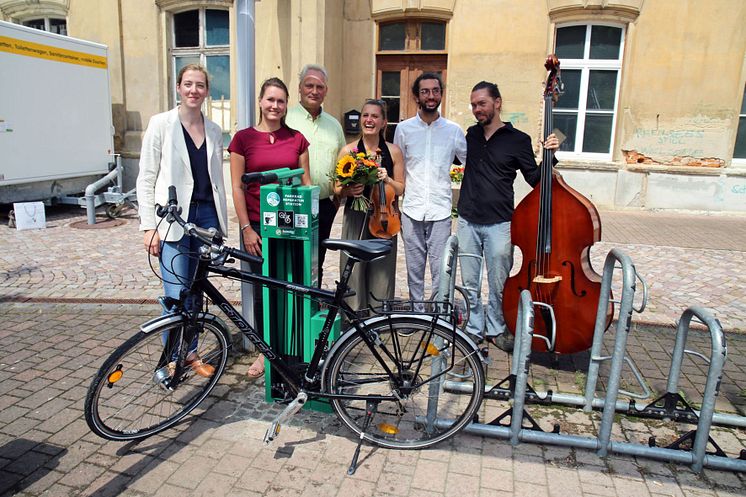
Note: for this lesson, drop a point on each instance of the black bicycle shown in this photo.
(383, 377)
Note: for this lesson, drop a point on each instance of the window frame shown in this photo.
(47, 22)
(586, 65)
(412, 36)
(202, 50)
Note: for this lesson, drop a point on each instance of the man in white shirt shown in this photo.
(429, 143)
(326, 137)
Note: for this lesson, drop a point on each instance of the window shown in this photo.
(590, 62)
(50, 24)
(406, 49)
(412, 36)
(740, 150)
(202, 37)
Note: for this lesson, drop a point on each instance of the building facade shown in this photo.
(653, 108)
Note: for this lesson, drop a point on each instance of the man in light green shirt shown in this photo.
(326, 137)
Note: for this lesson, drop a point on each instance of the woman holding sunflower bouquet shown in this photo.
(361, 164)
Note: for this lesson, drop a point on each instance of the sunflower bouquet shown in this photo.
(358, 168)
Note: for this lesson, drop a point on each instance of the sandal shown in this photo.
(256, 370)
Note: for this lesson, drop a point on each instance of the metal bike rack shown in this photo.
(666, 407)
(697, 457)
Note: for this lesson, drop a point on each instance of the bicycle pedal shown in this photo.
(290, 410)
(272, 432)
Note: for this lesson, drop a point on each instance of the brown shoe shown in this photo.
(202, 369)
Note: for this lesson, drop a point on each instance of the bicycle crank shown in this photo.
(287, 413)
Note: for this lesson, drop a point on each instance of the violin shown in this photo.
(385, 220)
(555, 226)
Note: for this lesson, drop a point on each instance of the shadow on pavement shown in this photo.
(30, 461)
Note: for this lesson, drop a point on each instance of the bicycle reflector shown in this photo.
(388, 429)
(115, 375)
(432, 350)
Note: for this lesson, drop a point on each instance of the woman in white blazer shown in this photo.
(184, 149)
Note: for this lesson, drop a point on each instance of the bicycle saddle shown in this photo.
(364, 250)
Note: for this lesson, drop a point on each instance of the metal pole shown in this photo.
(245, 23)
(718, 353)
(524, 333)
(603, 304)
(620, 345)
(446, 288)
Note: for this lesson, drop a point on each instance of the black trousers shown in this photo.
(327, 213)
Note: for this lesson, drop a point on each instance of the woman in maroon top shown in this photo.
(268, 145)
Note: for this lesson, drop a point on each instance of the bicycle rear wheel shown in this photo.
(128, 399)
(421, 357)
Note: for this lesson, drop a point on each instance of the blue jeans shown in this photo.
(492, 241)
(179, 259)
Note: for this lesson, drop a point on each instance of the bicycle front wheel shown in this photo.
(420, 357)
(129, 398)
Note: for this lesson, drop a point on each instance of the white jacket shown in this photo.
(164, 161)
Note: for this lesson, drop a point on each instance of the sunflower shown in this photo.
(346, 167)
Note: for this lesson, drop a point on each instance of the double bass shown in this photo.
(555, 226)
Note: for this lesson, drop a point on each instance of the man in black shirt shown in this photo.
(495, 151)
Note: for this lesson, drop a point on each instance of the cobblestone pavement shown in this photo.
(69, 296)
(696, 260)
(49, 352)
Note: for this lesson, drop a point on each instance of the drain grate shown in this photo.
(100, 225)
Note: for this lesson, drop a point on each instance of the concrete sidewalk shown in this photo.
(69, 296)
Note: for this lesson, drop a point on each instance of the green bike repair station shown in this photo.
(290, 243)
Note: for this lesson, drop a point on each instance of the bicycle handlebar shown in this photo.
(209, 236)
(261, 178)
(273, 176)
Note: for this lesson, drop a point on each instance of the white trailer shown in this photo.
(56, 133)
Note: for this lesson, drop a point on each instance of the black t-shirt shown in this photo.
(202, 191)
(487, 189)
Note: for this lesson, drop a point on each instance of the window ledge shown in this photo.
(179, 5)
(561, 11)
(412, 52)
(735, 169)
(589, 165)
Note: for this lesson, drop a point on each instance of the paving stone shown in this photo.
(497, 479)
(430, 475)
(49, 351)
(525, 489)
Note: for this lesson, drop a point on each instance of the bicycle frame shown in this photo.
(201, 285)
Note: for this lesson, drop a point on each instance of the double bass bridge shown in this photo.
(546, 280)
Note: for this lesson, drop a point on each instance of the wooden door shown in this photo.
(395, 76)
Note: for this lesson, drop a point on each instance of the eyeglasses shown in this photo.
(427, 91)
